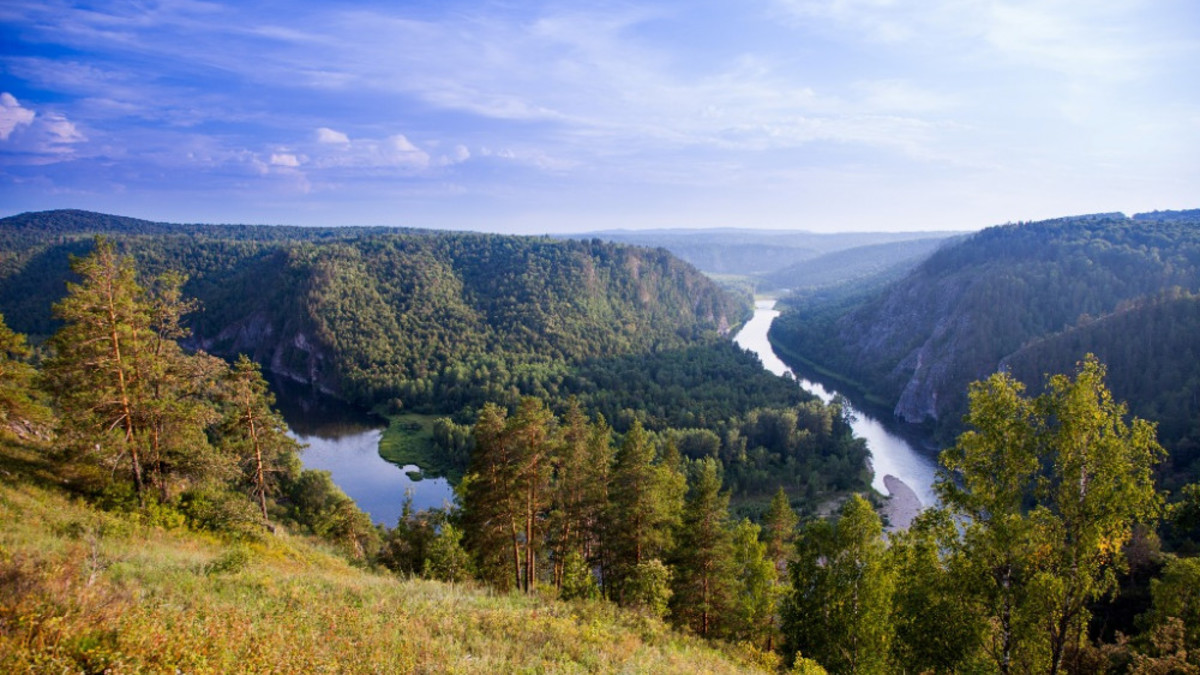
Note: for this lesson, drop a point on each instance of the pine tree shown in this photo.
(257, 433)
(532, 432)
(569, 523)
(94, 373)
(488, 498)
(704, 581)
(756, 588)
(780, 525)
(506, 489)
(644, 509)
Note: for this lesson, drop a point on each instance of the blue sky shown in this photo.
(529, 117)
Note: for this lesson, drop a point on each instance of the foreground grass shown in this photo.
(83, 590)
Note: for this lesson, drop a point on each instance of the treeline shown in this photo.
(1042, 559)
(444, 323)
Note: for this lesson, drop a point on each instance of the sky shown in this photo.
(534, 117)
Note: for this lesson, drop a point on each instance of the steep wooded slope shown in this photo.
(960, 314)
(372, 313)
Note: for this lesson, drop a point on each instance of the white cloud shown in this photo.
(37, 138)
(334, 149)
(12, 115)
(327, 135)
(284, 159)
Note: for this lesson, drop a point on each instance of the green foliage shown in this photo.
(405, 548)
(839, 609)
(1033, 296)
(232, 561)
(447, 560)
(937, 627)
(647, 587)
(256, 433)
(578, 582)
(780, 523)
(1176, 599)
(703, 583)
(756, 588)
(644, 508)
(433, 324)
(21, 411)
(317, 506)
(1051, 489)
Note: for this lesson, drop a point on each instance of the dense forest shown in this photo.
(1034, 297)
(444, 323)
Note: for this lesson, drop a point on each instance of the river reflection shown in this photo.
(344, 441)
(891, 455)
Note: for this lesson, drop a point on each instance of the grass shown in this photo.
(408, 440)
(82, 590)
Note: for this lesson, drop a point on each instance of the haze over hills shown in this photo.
(764, 254)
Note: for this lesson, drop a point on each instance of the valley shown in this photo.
(623, 434)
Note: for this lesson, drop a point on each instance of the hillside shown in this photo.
(971, 307)
(444, 323)
(1153, 357)
(84, 590)
(375, 314)
(874, 263)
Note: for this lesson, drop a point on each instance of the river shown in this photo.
(891, 455)
(344, 441)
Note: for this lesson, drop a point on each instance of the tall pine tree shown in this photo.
(704, 581)
(645, 501)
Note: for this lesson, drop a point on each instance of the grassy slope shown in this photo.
(83, 590)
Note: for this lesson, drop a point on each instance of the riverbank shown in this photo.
(902, 506)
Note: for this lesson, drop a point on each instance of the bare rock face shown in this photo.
(286, 350)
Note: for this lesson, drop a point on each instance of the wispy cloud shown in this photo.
(575, 101)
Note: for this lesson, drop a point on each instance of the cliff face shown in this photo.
(956, 318)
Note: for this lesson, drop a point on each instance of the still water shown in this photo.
(891, 455)
(344, 441)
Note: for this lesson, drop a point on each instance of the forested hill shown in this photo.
(377, 313)
(1035, 295)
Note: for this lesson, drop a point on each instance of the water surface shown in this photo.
(344, 441)
(891, 455)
